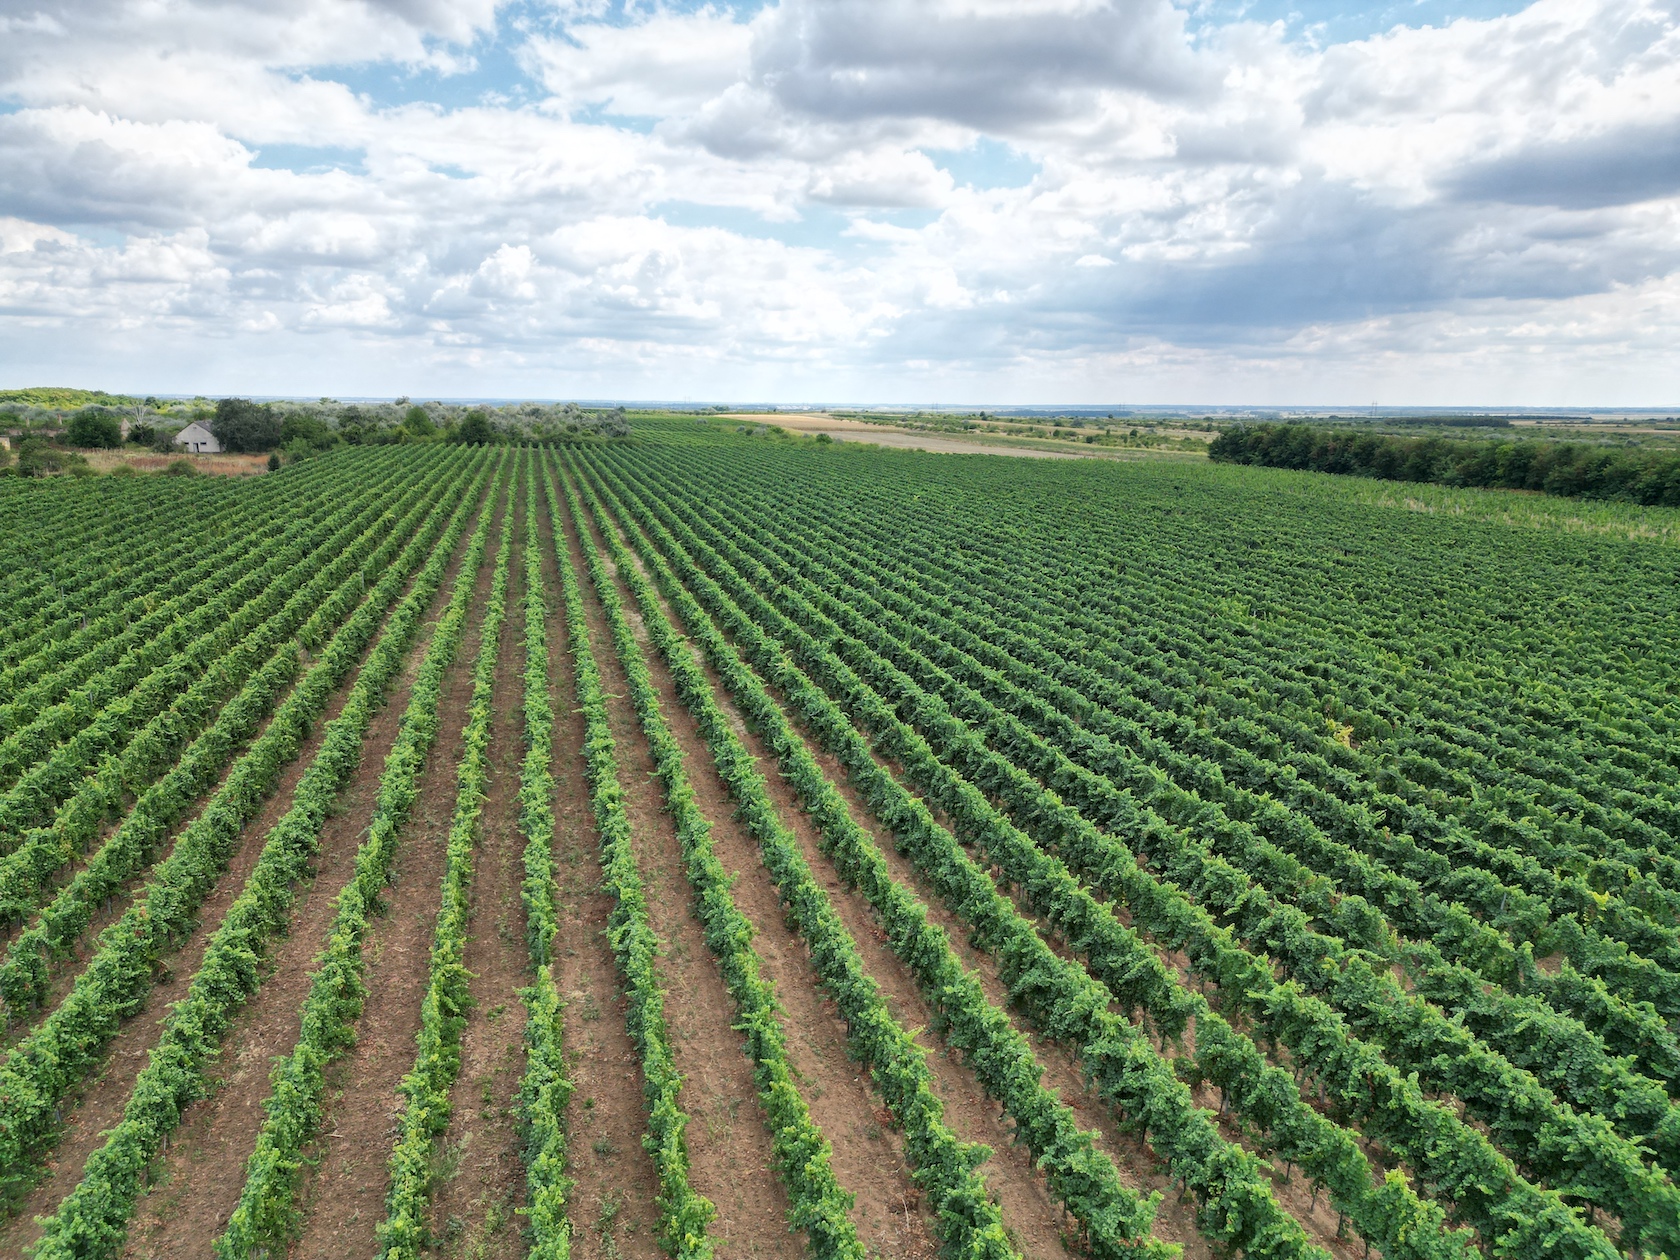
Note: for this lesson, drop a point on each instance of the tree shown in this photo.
(475, 430)
(419, 423)
(242, 425)
(273, 461)
(309, 429)
(93, 428)
(37, 459)
(142, 434)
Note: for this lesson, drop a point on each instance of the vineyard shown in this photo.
(700, 844)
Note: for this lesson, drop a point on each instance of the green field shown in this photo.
(712, 843)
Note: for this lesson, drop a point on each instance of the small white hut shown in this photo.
(198, 439)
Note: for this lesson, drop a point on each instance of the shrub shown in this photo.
(125, 470)
(242, 425)
(419, 423)
(142, 434)
(180, 468)
(37, 459)
(307, 429)
(474, 430)
(93, 428)
(274, 461)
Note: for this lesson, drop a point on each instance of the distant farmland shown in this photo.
(712, 842)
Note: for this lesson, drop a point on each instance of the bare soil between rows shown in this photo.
(102, 1100)
(201, 1179)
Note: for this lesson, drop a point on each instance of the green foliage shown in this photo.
(59, 399)
(93, 428)
(303, 430)
(403, 1233)
(266, 1215)
(1566, 468)
(38, 458)
(544, 1089)
(816, 1203)
(241, 425)
(684, 1214)
(474, 430)
(418, 422)
(92, 1220)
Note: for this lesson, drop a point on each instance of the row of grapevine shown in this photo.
(1111, 719)
(1578, 933)
(427, 1087)
(128, 648)
(1063, 1002)
(683, 1213)
(816, 1202)
(1580, 1069)
(255, 634)
(1467, 1151)
(73, 545)
(131, 846)
(66, 1046)
(70, 641)
(267, 1213)
(92, 1220)
(946, 1168)
(545, 1088)
(1388, 1212)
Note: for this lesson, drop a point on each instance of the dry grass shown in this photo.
(146, 461)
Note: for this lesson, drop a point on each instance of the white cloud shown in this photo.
(1425, 209)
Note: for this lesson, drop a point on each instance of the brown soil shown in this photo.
(612, 1205)
(102, 1100)
(868, 1157)
(203, 1174)
(62, 971)
(1028, 1209)
(1175, 1221)
(728, 1144)
(475, 1204)
(342, 1196)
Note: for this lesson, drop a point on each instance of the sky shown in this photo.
(1260, 202)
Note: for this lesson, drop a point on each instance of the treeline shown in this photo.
(1648, 477)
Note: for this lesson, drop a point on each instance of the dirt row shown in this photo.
(868, 1156)
(199, 1184)
(478, 1183)
(101, 1103)
(1175, 1219)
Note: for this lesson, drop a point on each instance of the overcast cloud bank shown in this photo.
(991, 200)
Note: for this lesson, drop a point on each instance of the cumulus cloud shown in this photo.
(408, 195)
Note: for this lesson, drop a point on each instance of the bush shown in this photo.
(419, 423)
(94, 429)
(242, 425)
(124, 470)
(38, 459)
(475, 430)
(308, 429)
(824, 439)
(142, 434)
(180, 468)
(274, 461)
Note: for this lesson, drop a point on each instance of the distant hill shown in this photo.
(64, 399)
